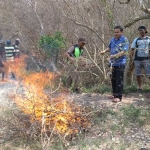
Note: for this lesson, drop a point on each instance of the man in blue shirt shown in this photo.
(118, 48)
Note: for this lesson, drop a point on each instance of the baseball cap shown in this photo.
(17, 39)
(82, 40)
(143, 28)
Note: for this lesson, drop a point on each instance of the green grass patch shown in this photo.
(102, 89)
(135, 115)
(98, 89)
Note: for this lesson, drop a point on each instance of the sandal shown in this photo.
(116, 100)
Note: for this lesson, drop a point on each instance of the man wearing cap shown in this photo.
(76, 50)
(16, 48)
(72, 53)
(141, 48)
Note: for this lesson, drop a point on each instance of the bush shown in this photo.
(51, 44)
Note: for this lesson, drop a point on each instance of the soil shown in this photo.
(133, 138)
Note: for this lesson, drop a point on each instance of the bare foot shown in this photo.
(4, 80)
(116, 100)
(111, 97)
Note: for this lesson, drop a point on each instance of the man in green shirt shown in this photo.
(72, 53)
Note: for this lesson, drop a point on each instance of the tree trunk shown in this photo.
(129, 73)
(53, 63)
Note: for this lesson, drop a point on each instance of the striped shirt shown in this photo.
(9, 53)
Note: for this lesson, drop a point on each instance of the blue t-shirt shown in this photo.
(116, 46)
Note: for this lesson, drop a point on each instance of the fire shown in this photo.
(55, 114)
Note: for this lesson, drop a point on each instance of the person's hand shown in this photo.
(112, 56)
(103, 52)
(108, 59)
(83, 63)
(72, 60)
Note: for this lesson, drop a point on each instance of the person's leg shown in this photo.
(3, 75)
(75, 82)
(1, 61)
(13, 75)
(68, 81)
(139, 81)
(147, 71)
(146, 65)
(113, 81)
(138, 68)
(13, 69)
(119, 83)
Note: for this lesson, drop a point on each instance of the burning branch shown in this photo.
(54, 115)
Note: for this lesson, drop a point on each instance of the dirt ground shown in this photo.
(97, 102)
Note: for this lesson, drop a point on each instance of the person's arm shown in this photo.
(69, 52)
(105, 51)
(69, 57)
(124, 51)
(118, 55)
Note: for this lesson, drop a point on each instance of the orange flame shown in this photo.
(55, 114)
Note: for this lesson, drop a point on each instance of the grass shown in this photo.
(102, 89)
(106, 120)
(137, 116)
(97, 89)
(133, 89)
(130, 114)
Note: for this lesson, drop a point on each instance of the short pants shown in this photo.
(142, 64)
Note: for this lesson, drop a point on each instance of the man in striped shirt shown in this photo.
(9, 56)
(9, 52)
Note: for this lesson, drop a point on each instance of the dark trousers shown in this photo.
(117, 81)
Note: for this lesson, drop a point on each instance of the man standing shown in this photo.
(141, 47)
(16, 54)
(72, 53)
(2, 49)
(9, 54)
(16, 48)
(118, 47)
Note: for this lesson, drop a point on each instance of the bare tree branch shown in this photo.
(82, 24)
(136, 20)
(124, 2)
(90, 28)
(145, 9)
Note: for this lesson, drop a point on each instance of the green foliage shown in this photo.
(97, 89)
(105, 88)
(133, 89)
(130, 89)
(51, 44)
